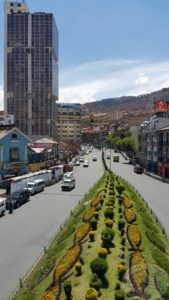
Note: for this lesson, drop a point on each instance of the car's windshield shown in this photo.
(30, 185)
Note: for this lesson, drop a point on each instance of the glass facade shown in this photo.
(32, 71)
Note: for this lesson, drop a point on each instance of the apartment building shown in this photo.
(30, 68)
(68, 117)
(154, 144)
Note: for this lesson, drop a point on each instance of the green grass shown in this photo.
(162, 283)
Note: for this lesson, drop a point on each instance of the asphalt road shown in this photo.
(24, 234)
(155, 192)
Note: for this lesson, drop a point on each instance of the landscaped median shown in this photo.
(105, 251)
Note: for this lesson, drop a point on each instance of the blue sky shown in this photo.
(107, 48)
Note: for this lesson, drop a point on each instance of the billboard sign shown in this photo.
(161, 106)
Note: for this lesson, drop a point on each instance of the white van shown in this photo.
(35, 186)
(2, 206)
(68, 184)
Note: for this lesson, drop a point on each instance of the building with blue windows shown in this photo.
(13, 152)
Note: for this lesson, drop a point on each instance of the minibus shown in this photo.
(36, 186)
(68, 184)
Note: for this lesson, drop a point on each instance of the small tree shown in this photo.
(99, 266)
(95, 282)
(107, 236)
(109, 213)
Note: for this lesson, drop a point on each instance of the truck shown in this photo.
(116, 158)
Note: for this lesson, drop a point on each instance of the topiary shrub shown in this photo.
(109, 213)
(121, 224)
(108, 223)
(95, 282)
(121, 268)
(123, 240)
(78, 268)
(119, 295)
(120, 200)
(120, 210)
(102, 252)
(110, 203)
(67, 287)
(122, 232)
(91, 236)
(118, 285)
(120, 188)
(96, 215)
(107, 236)
(81, 259)
(93, 223)
(99, 266)
(111, 192)
(91, 294)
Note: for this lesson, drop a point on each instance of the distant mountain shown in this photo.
(127, 103)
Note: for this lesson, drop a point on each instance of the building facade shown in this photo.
(30, 68)
(154, 144)
(13, 152)
(68, 118)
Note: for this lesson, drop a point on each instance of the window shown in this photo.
(14, 136)
(14, 154)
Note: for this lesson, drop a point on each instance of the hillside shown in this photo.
(127, 103)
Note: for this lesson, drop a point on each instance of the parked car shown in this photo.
(77, 163)
(85, 163)
(138, 169)
(116, 158)
(2, 206)
(94, 158)
(17, 198)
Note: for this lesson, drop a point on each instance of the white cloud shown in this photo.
(141, 79)
(1, 98)
(112, 78)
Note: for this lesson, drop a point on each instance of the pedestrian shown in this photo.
(10, 207)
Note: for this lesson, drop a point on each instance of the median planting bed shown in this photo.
(111, 247)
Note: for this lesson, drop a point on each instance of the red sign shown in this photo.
(160, 106)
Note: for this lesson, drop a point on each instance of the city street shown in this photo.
(155, 192)
(26, 232)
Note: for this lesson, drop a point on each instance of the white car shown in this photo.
(77, 163)
(85, 163)
(81, 159)
(94, 158)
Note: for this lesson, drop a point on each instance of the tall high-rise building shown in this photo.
(30, 68)
(69, 122)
